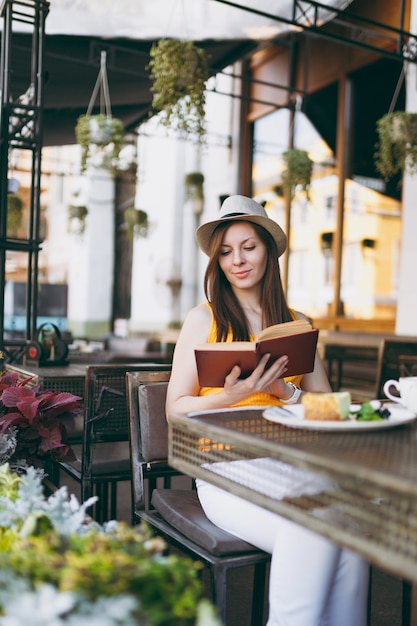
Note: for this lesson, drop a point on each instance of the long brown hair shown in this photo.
(228, 314)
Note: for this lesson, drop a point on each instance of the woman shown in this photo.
(312, 581)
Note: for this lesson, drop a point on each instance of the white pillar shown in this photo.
(90, 277)
(406, 321)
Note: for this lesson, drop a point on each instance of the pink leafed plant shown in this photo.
(38, 418)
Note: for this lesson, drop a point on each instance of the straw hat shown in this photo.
(238, 208)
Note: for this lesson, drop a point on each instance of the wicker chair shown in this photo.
(103, 458)
(176, 514)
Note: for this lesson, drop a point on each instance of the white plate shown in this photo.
(399, 415)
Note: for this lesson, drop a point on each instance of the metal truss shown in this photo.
(21, 128)
(344, 27)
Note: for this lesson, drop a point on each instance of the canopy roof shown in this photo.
(184, 19)
(77, 31)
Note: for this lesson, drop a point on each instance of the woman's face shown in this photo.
(243, 255)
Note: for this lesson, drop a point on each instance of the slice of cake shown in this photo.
(326, 406)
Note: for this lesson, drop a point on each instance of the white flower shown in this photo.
(8, 443)
(43, 607)
(206, 615)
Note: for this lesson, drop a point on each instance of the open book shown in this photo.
(297, 339)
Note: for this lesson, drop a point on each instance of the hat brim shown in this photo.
(204, 232)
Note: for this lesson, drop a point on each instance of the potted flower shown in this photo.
(63, 568)
(396, 149)
(179, 72)
(36, 420)
(101, 138)
(298, 171)
(136, 222)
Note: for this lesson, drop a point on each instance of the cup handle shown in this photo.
(386, 388)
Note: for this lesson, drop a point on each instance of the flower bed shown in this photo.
(60, 568)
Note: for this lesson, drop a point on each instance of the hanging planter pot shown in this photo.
(14, 214)
(298, 171)
(396, 149)
(194, 192)
(194, 186)
(101, 138)
(179, 72)
(136, 222)
(76, 217)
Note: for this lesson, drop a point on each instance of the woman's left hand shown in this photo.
(277, 385)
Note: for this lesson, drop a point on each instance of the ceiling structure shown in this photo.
(197, 20)
(77, 31)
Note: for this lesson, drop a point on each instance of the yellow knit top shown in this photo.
(259, 398)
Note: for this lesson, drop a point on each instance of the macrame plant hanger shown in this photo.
(101, 86)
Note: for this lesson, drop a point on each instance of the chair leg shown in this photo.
(406, 603)
(258, 594)
(369, 609)
(102, 505)
(113, 500)
(218, 584)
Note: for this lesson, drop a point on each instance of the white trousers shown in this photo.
(312, 581)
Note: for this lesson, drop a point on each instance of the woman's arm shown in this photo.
(317, 380)
(183, 388)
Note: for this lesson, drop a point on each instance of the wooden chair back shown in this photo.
(389, 354)
(146, 395)
(408, 365)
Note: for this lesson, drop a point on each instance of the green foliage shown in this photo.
(79, 213)
(101, 138)
(98, 564)
(194, 182)
(136, 222)
(9, 483)
(396, 149)
(14, 214)
(56, 559)
(179, 72)
(298, 171)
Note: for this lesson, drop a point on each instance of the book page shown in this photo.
(228, 346)
(287, 328)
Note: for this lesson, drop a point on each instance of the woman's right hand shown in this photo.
(267, 380)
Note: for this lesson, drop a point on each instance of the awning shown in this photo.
(78, 30)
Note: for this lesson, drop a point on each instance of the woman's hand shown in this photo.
(269, 381)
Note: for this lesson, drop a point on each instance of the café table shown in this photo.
(359, 489)
(71, 377)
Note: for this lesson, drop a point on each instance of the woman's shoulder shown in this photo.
(199, 315)
(196, 324)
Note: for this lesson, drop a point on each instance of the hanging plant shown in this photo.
(396, 149)
(101, 138)
(298, 171)
(136, 222)
(78, 214)
(194, 186)
(14, 214)
(179, 72)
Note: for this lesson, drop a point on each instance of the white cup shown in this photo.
(407, 388)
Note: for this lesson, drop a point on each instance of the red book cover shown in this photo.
(215, 360)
